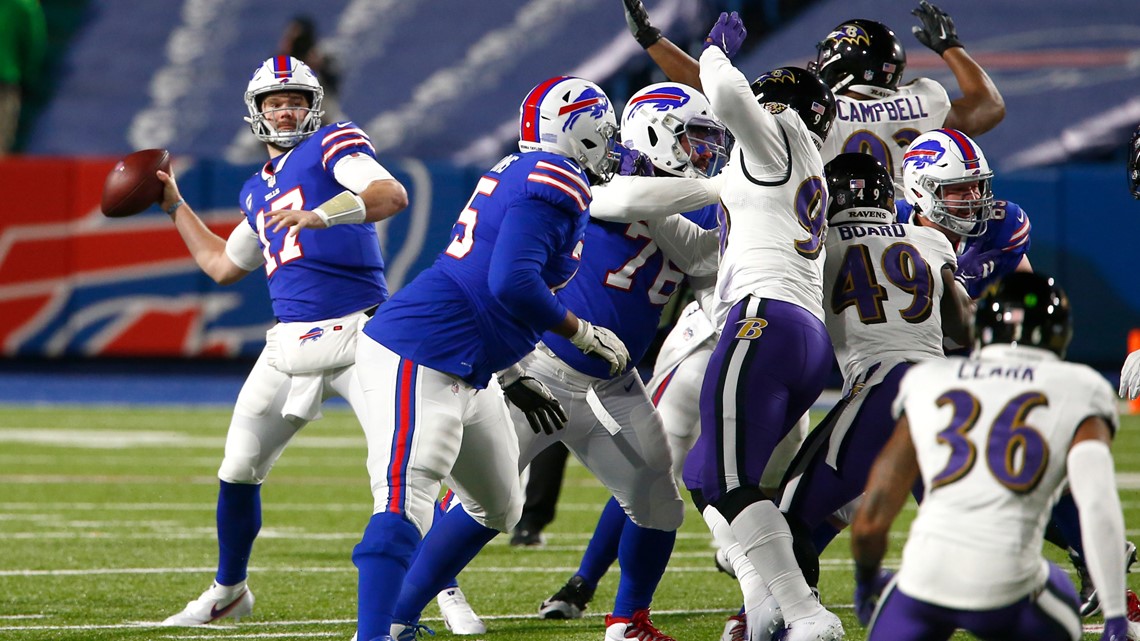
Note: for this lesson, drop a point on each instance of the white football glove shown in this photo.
(602, 343)
(1130, 376)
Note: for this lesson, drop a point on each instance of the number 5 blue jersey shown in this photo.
(318, 273)
(488, 297)
(623, 285)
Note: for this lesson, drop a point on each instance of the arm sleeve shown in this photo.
(625, 199)
(1092, 481)
(244, 248)
(695, 250)
(357, 171)
(531, 232)
(756, 130)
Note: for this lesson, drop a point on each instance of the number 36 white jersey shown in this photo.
(992, 434)
(885, 127)
(882, 290)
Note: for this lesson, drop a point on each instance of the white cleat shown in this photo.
(457, 613)
(822, 626)
(217, 603)
(735, 629)
(765, 620)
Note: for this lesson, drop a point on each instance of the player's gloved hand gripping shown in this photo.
(1115, 629)
(975, 264)
(632, 162)
(602, 343)
(937, 31)
(868, 588)
(542, 410)
(637, 18)
(1130, 376)
(728, 34)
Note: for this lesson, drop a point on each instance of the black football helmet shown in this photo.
(860, 190)
(1023, 308)
(1134, 164)
(802, 91)
(863, 56)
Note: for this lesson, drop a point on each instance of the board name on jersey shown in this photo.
(899, 109)
(849, 232)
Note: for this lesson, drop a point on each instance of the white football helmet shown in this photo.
(571, 117)
(946, 157)
(663, 118)
(283, 73)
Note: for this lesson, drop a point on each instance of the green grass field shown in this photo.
(106, 526)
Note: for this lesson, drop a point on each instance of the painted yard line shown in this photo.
(211, 507)
(12, 617)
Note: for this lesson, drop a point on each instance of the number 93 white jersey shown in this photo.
(882, 290)
(992, 433)
(885, 127)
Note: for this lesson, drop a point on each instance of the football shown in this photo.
(131, 186)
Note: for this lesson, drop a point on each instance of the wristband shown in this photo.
(343, 208)
(173, 208)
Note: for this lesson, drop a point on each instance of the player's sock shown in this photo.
(382, 558)
(752, 585)
(453, 540)
(602, 550)
(239, 521)
(643, 554)
(1068, 521)
(764, 534)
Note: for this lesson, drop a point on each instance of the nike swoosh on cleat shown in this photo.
(629, 387)
(215, 613)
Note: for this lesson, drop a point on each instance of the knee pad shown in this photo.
(734, 502)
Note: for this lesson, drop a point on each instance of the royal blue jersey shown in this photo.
(488, 297)
(1007, 235)
(318, 273)
(623, 284)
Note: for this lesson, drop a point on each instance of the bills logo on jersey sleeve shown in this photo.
(664, 99)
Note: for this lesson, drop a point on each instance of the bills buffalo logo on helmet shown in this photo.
(850, 33)
(923, 154)
(591, 102)
(663, 99)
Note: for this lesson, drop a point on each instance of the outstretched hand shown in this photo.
(937, 31)
(727, 34)
(637, 19)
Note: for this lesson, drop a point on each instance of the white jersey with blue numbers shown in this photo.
(992, 434)
(623, 284)
(1006, 239)
(488, 297)
(318, 273)
(883, 290)
(885, 127)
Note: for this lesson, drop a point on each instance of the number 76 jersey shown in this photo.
(992, 433)
(882, 290)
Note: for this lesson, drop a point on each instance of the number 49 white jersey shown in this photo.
(992, 434)
(885, 127)
(882, 290)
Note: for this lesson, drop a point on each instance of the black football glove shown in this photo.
(937, 31)
(542, 410)
(1134, 164)
(638, 21)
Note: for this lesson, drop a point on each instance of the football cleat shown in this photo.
(822, 626)
(638, 627)
(458, 615)
(1090, 603)
(766, 620)
(569, 601)
(216, 603)
(1132, 611)
(735, 629)
(408, 631)
(523, 537)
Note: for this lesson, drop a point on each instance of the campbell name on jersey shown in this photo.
(992, 434)
(317, 273)
(885, 127)
(623, 284)
(772, 225)
(447, 318)
(1007, 238)
(882, 288)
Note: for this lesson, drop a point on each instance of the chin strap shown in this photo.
(345, 208)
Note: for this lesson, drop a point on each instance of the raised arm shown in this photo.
(207, 248)
(981, 106)
(728, 33)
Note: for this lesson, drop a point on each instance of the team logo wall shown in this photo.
(591, 103)
(750, 328)
(663, 99)
(924, 154)
(849, 34)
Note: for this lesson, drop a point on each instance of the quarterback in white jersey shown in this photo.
(994, 437)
